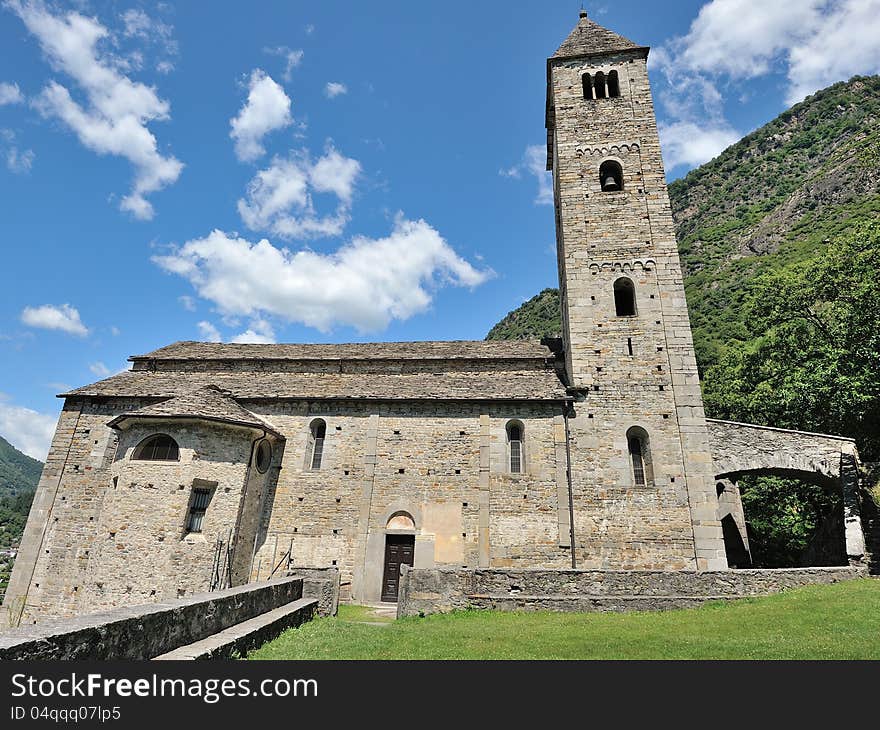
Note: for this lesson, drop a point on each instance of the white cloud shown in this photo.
(310, 29)
(365, 284)
(209, 332)
(280, 198)
(534, 162)
(260, 332)
(688, 143)
(813, 42)
(292, 59)
(151, 31)
(18, 160)
(187, 302)
(26, 429)
(334, 89)
(115, 331)
(10, 94)
(117, 110)
(267, 109)
(50, 317)
(99, 369)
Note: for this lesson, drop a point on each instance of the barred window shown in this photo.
(318, 432)
(198, 507)
(640, 456)
(160, 447)
(515, 446)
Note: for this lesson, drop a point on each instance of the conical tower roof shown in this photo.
(589, 39)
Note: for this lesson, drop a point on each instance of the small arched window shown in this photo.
(624, 297)
(640, 456)
(160, 447)
(515, 447)
(587, 84)
(317, 434)
(599, 85)
(613, 85)
(611, 176)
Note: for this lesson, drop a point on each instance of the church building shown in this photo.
(208, 465)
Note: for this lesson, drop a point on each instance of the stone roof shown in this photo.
(452, 350)
(589, 39)
(536, 383)
(207, 403)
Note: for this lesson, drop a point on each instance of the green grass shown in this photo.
(839, 621)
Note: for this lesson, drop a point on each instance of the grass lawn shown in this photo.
(839, 621)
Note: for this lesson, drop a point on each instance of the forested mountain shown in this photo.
(780, 244)
(19, 474)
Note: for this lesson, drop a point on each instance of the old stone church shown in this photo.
(209, 465)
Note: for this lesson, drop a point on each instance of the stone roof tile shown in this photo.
(589, 39)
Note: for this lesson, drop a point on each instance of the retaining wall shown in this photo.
(424, 591)
(143, 632)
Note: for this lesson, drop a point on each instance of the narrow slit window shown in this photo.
(638, 461)
(515, 447)
(318, 432)
(197, 510)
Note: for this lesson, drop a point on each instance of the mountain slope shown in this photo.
(18, 471)
(769, 202)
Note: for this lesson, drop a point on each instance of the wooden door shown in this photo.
(399, 550)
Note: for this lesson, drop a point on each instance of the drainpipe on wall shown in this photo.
(567, 409)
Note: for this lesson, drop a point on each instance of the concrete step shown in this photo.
(249, 634)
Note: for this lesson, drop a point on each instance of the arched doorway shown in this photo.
(400, 548)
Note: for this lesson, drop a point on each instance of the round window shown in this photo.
(264, 456)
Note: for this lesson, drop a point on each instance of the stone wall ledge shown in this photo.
(145, 631)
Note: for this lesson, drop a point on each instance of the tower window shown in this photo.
(317, 434)
(625, 298)
(199, 505)
(640, 456)
(587, 84)
(611, 176)
(160, 447)
(599, 85)
(613, 85)
(515, 446)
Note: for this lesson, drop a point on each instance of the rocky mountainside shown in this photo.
(771, 201)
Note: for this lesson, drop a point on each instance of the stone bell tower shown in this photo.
(644, 492)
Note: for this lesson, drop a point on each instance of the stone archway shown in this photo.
(832, 461)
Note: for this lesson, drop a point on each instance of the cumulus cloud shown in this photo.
(267, 109)
(51, 317)
(365, 284)
(113, 120)
(99, 369)
(692, 144)
(187, 302)
(17, 160)
(208, 332)
(10, 94)
(292, 59)
(27, 430)
(813, 42)
(280, 198)
(259, 333)
(334, 89)
(534, 162)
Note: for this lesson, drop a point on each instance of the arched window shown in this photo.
(160, 447)
(613, 85)
(515, 447)
(611, 176)
(640, 456)
(624, 297)
(599, 85)
(587, 83)
(317, 434)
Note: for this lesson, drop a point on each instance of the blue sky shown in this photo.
(324, 172)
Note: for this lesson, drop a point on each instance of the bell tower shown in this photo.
(644, 492)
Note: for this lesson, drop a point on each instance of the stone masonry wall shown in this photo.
(441, 590)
